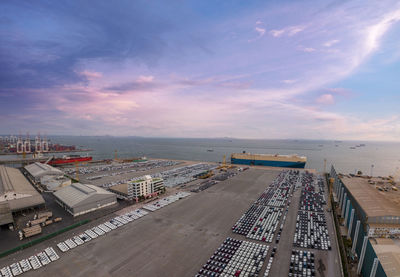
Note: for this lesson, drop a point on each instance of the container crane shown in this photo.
(224, 166)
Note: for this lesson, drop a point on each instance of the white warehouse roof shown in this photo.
(77, 193)
(16, 190)
(38, 170)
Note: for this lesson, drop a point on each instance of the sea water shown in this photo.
(380, 158)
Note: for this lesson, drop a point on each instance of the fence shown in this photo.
(46, 237)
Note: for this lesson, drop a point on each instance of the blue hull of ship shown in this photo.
(269, 163)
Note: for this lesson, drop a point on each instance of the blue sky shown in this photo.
(246, 69)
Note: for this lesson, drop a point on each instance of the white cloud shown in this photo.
(260, 31)
(288, 81)
(375, 32)
(277, 33)
(330, 43)
(258, 22)
(289, 31)
(308, 49)
(294, 30)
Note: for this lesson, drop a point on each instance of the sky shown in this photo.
(243, 69)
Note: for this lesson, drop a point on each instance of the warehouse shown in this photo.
(388, 252)
(80, 199)
(145, 187)
(372, 219)
(36, 171)
(16, 194)
(52, 183)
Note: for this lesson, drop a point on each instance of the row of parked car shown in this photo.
(266, 225)
(114, 167)
(261, 220)
(271, 259)
(101, 229)
(183, 175)
(278, 192)
(158, 204)
(235, 258)
(246, 222)
(311, 226)
(311, 200)
(33, 262)
(278, 235)
(301, 264)
(311, 231)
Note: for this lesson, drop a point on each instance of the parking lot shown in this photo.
(178, 239)
(106, 175)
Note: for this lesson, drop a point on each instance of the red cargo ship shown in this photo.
(69, 159)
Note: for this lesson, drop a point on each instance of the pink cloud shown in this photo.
(90, 75)
(326, 99)
(340, 91)
(145, 79)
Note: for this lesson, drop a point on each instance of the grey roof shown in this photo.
(76, 193)
(121, 188)
(54, 183)
(40, 170)
(5, 181)
(16, 190)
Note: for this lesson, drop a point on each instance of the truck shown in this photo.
(31, 231)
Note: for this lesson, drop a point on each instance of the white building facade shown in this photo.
(145, 187)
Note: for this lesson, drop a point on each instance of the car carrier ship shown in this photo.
(69, 159)
(293, 161)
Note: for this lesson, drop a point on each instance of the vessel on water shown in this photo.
(69, 159)
(293, 161)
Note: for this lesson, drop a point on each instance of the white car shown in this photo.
(63, 247)
(6, 271)
(52, 254)
(35, 262)
(70, 243)
(104, 228)
(78, 240)
(110, 225)
(16, 269)
(26, 266)
(91, 234)
(98, 231)
(43, 258)
(85, 237)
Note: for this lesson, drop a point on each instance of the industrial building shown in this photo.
(16, 194)
(52, 183)
(36, 171)
(372, 221)
(80, 199)
(145, 187)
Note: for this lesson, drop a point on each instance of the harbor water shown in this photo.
(382, 158)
